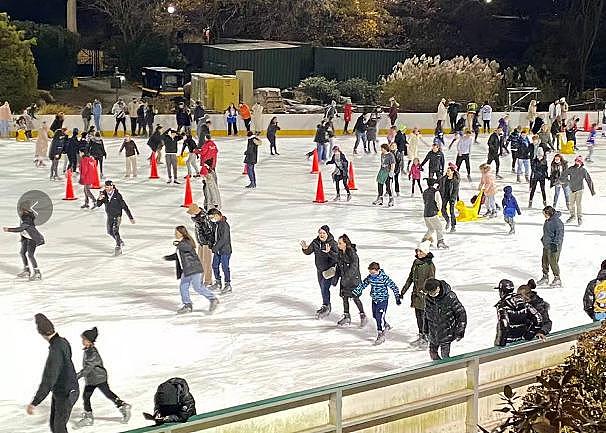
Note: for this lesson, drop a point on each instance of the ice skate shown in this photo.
(24, 273)
(323, 312)
(216, 285)
(345, 320)
(378, 201)
(518, 179)
(249, 186)
(176, 182)
(125, 411)
(363, 320)
(442, 245)
(348, 196)
(186, 308)
(512, 231)
(543, 281)
(380, 339)
(469, 177)
(84, 206)
(527, 178)
(226, 289)
(37, 276)
(337, 197)
(420, 342)
(447, 226)
(387, 327)
(390, 203)
(118, 251)
(499, 177)
(556, 283)
(87, 420)
(529, 204)
(570, 219)
(214, 303)
(579, 221)
(544, 203)
(453, 229)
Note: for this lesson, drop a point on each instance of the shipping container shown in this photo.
(342, 63)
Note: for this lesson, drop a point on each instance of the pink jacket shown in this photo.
(489, 183)
(415, 172)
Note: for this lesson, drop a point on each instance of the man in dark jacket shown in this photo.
(453, 113)
(448, 185)
(172, 402)
(59, 377)
(524, 153)
(553, 238)
(321, 247)
(114, 205)
(200, 119)
(446, 318)
(516, 319)
(494, 148)
(221, 250)
(594, 301)
(436, 161)
(155, 142)
(206, 239)
(170, 139)
(360, 131)
(71, 149)
(57, 148)
(573, 177)
(430, 215)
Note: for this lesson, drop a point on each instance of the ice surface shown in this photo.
(263, 340)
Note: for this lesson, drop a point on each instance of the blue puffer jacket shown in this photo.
(510, 204)
(379, 287)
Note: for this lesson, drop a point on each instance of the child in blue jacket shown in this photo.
(510, 208)
(380, 284)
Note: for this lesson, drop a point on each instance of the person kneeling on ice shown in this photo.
(517, 320)
(527, 291)
(552, 240)
(510, 208)
(594, 300)
(172, 402)
(95, 376)
(422, 269)
(114, 204)
(189, 271)
(380, 283)
(324, 262)
(446, 318)
(221, 250)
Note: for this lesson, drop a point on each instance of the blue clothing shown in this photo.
(379, 287)
(379, 309)
(510, 204)
(196, 281)
(592, 136)
(223, 261)
(97, 109)
(324, 288)
(553, 232)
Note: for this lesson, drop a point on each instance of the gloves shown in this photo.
(553, 248)
(403, 292)
(398, 300)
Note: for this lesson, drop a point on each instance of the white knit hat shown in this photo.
(424, 246)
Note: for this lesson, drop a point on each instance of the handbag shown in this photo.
(382, 176)
(329, 273)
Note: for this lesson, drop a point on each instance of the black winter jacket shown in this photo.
(28, 226)
(539, 169)
(93, 371)
(251, 154)
(429, 201)
(190, 144)
(57, 147)
(204, 229)
(199, 113)
(97, 149)
(449, 188)
(553, 232)
(178, 413)
(348, 270)
(72, 146)
(59, 374)
(543, 308)
(516, 320)
(186, 258)
(155, 141)
(360, 126)
(115, 205)
(323, 261)
(222, 237)
(446, 316)
(436, 161)
(170, 144)
(401, 143)
(340, 170)
(589, 297)
(494, 144)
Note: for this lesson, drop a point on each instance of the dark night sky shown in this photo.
(42, 11)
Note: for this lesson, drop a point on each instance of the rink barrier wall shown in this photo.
(452, 395)
(304, 125)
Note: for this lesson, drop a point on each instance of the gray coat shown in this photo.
(574, 177)
(92, 371)
(212, 195)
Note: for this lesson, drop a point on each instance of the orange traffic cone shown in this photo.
(314, 165)
(96, 181)
(154, 167)
(320, 191)
(351, 182)
(586, 124)
(69, 187)
(245, 169)
(188, 196)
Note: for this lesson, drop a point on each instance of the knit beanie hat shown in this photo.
(45, 326)
(540, 152)
(91, 334)
(452, 166)
(424, 246)
(325, 228)
(579, 160)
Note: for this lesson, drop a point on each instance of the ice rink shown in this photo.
(263, 339)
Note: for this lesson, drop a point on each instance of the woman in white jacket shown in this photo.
(442, 113)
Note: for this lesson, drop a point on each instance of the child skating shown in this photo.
(488, 185)
(414, 175)
(380, 284)
(510, 209)
(95, 376)
(591, 142)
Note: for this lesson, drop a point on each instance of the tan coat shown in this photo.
(257, 117)
(42, 142)
(5, 112)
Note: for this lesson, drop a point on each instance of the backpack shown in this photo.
(599, 293)
(171, 393)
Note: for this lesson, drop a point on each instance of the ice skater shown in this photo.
(114, 205)
(430, 215)
(31, 238)
(510, 209)
(221, 250)
(272, 128)
(448, 186)
(538, 176)
(88, 174)
(591, 142)
(192, 164)
(380, 283)
(340, 173)
(95, 376)
(414, 175)
(385, 176)
(251, 156)
(552, 240)
(435, 157)
(189, 271)
(574, 178)
(488, 184)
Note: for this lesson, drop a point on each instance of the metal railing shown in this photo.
(332, 398)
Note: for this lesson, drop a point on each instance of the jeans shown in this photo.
(338, 179)
(171, 165)
(486, 126)
(100, 164)
(550, 260)
(3, 128)
(599, 317)
(223, 261)
(61, 409)
(379, 309)
(120, 120)
(444, 350)
(356, 301)
(453, 122)
(272, 145)
(113, 229)
(321, 151)
(556, 194)
(85, 123)
(360, 136)
(324, 288)
(97, 118)
(232, 128)
(88, 195)
(28, 249)
(105, 390)
(387, 187)
(525, 164)
(247, 124)
(448, 212)
(54, 167)
(194, 280)
(250, 170)
(133, 125)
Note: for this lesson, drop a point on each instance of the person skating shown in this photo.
(251, 157)
(119, 111)
(347, 112)
(593, 133)
(510, 209)
(517, 320)
(448, 185)
(524, 153)
(320, 139)
(421, 270)
(441, 113)
(340, 173)
(414, 175)
(131, 109)
(558, 166)
(170, 139)
(494, 149)
(463, 149)
(453, 113)
(114, 205)
(385, 176)
(199, 116)
(573, 177)
(31, 238)
(97, 151)
(71, 150)
(393, 111)
(141, 123)
(130, 151)
(210, 187)
(59, 377)
(486, 112)
(513, 141)
(413, 145)
(57, 148)
(156, 143)
(371, 131)
(88, 176)
(552, 240)
(430, 215)
(594, 299)
(95, 376)
(192, 164)
(527, 291)
(488, 185)
(150, 117)
(348, 272)
(272, 128)
(97, 112)
(206, 238)
(183, 119)
(41, 145)
(221, 251)
(323, 262)
(360, 129)
(435, 157)
(402, 146)
(189, 271)
(538, 176)
(545, 138)
(446, 318)
(380, 283)
(231, 118)
(393, 148)
(245, 114)
(257, 116)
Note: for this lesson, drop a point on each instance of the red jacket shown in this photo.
(208, 152)
(87, 171)
(347, 110)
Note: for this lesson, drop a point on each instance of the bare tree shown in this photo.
(131, 18)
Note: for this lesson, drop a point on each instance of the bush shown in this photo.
(360, 91)
(18, 74)
(57, 108)
(420, 82)
(320, 88)
(55, 51)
